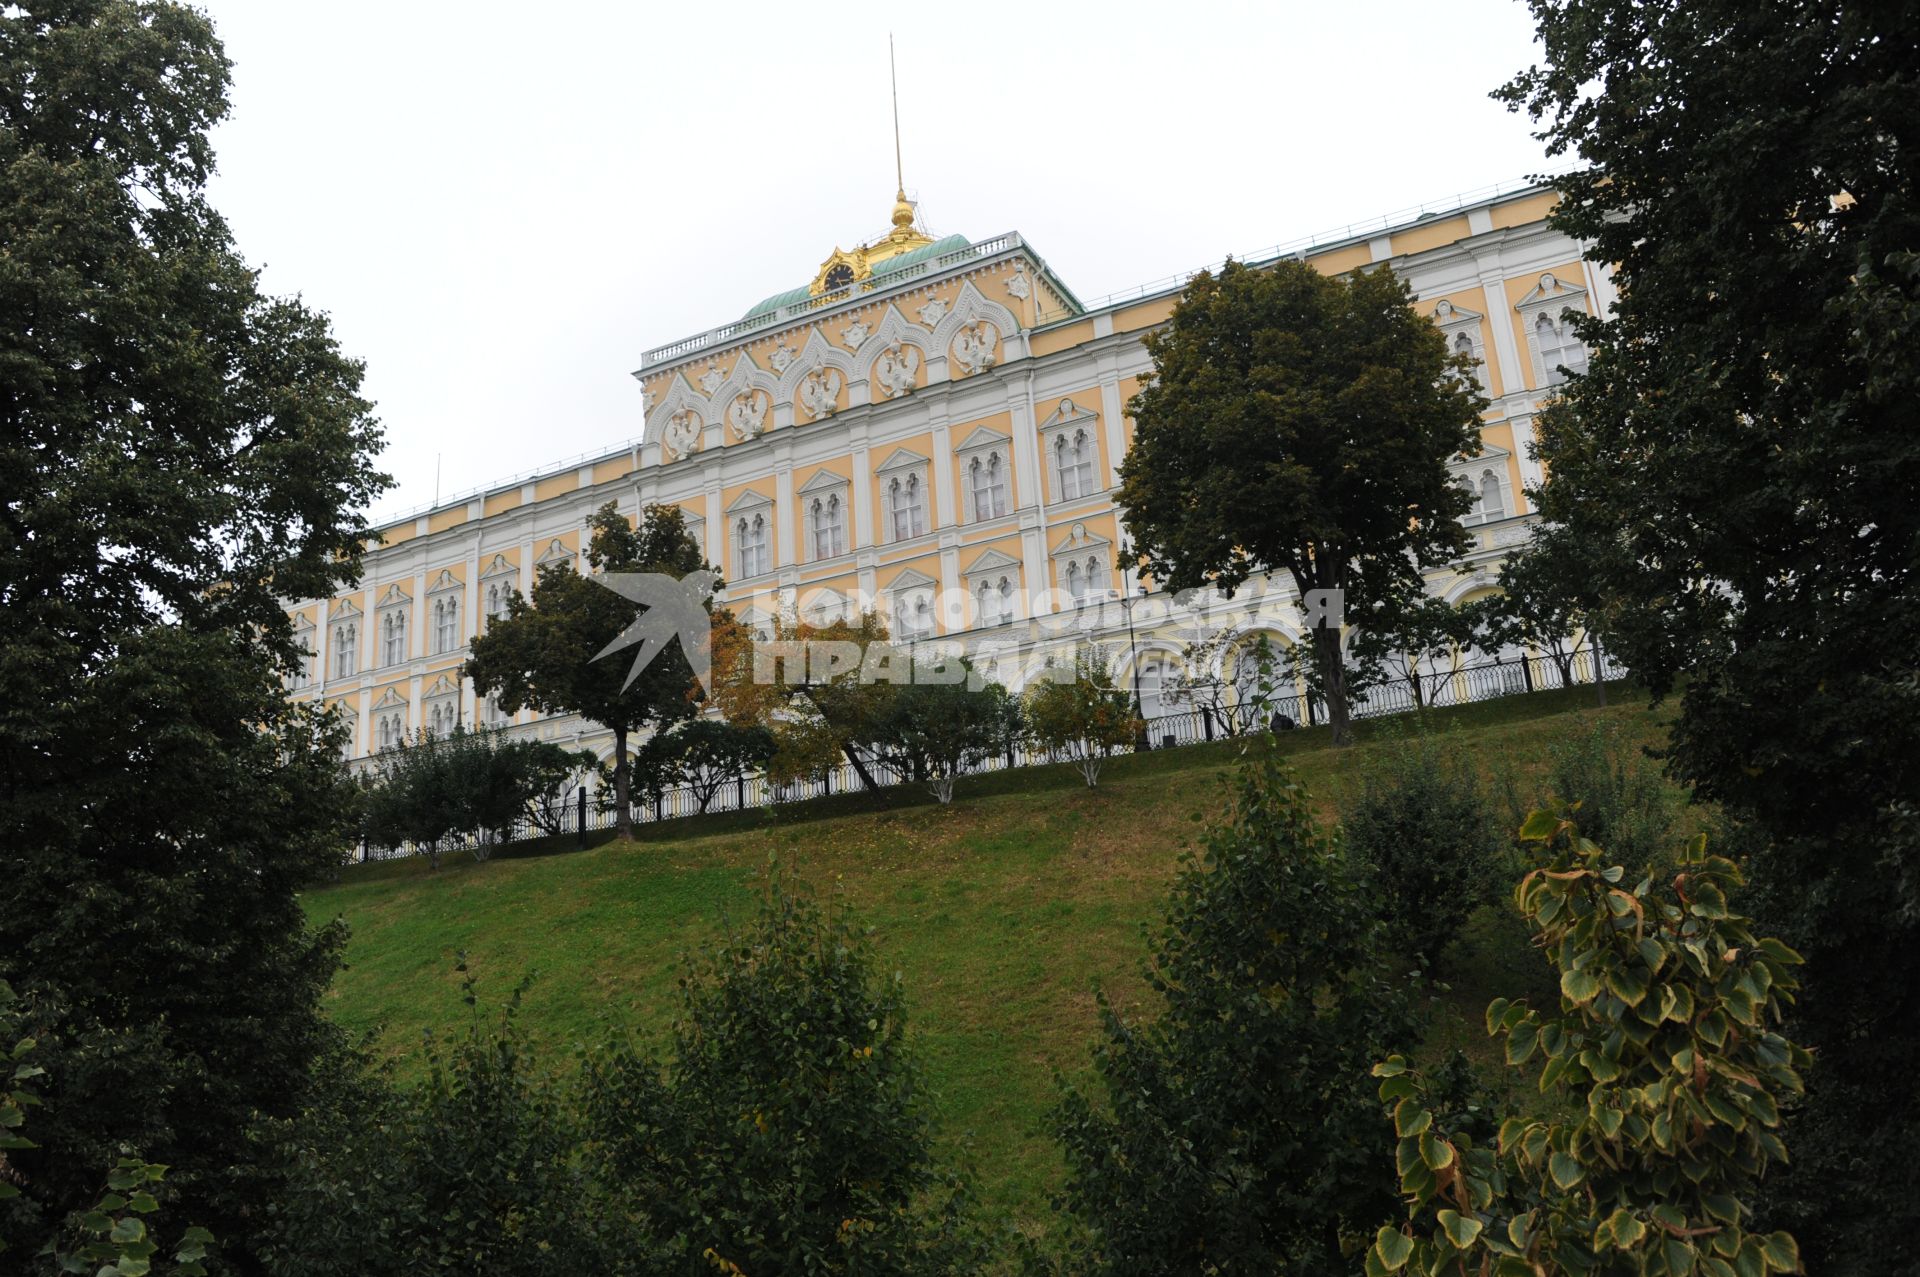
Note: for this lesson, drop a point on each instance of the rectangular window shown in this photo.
(1073, 463)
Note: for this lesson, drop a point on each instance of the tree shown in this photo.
(1666, 1075)
(1229, 679)
(939, 728)
(180, 453)
(790, 1131)
(542, 653)
(1737, 469)
(1233, 1133)
(471, 786)
(1301, 424)
(1084, 717)
(1418, 644)
(1540, 605)
(823, 691)
(705, 755)
(1424, 827)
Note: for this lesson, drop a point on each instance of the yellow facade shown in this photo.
(958, 417)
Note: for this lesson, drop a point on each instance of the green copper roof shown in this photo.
(951, 243)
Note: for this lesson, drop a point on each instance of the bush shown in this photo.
(1624, 803)
(791, 1131)
(937, 731)
(1084, 718)
(1665, 1076)
(1424, 827)
(1235, 1127)
(467, 786)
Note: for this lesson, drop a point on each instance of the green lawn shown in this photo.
(1003, 912)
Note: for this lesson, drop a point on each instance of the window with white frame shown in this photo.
(498, 592)
(346, 647)
(1561, 352)
(995, 595)
(827, 525)
(1073, 463)
(389, 731)
(752, 554)
(303, 662)
(1086, 579)
(352, 726)
(491, 713)
(907, 506)
(1489, 495)
(441, 717)
(446, 623)
(987, 485)
(913, 611)
(393, 637)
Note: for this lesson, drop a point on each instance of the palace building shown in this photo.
(933, 428)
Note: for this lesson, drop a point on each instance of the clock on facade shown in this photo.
(839, 276)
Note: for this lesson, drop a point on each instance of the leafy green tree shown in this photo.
(482, 1167)
(1540, 602)
(791, 1130)
(1301, 424)
(472, 787)
(1736, 474)
(118, 1234)
(705, 755)
(1424, 826)
(1417, 645)
(1235, 1125)
(938, 730)
(542, 652)
(179, 452)
(1083, 718)
(1666, 1074)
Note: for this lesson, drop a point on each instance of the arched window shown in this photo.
(750, 538)
(996, 601)
(345, 640)
(906, 501)
(1493, 503)
(446, 624)
(829, 527)
(386, 733)
(1073, 463)
(1561, 353)
(1095, 578)
(393, 628)
(496, 601)
(987, 482)
(1076, 584)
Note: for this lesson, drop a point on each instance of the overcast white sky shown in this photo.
(502, 205)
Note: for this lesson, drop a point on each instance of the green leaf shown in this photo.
(1579, 987)
(1460, 1230)
(1393, 1247)
(1566, 1171)
(1781, 1252)
(1625, 1229)
(1410, 1119)
(1437, 1154)
(1539, 827)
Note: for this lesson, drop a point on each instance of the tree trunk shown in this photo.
(1333, 675)
(859, 768)
(622, 786)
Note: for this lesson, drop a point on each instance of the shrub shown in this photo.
(1234, 1128)
(937, 731)
(1083, 719)
(1424, 827)
(1624, 803)
(467, 786)
(791, 1130)
(1665, 1077)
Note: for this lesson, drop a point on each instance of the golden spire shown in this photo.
(902, 207)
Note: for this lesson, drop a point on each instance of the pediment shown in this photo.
(1066, 413)
(499, 566)
(983, 438)
(901, 459)
(911, 579)
(823, 481)
(343, 610)
(1078, 539)
(445, 581)
(1448, 315)
(1551, 289)
(749, 500)
(445, 685)
(991, 561)
(390, 699)
(555, 552)
(393, 595)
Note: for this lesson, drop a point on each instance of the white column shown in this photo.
(1116, 433)
(1026, 446)
(862, 498)
(944, 514)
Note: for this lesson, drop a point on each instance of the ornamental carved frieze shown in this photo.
(747, 414)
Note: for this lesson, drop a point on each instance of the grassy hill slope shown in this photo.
(1003, 911)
